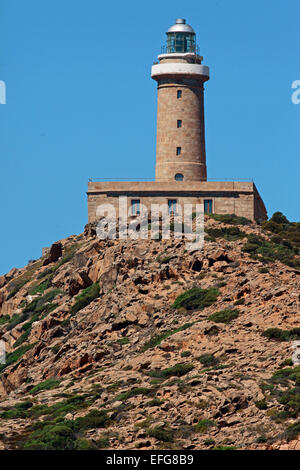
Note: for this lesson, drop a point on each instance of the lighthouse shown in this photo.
(180, 170)
(180, 76)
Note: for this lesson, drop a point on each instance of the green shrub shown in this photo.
(231, 219)
(178, 371)
(154, 402)
(224, 316)
(292, 432)
(40, 288)
(94, 419)
(156, 340)
(185, 354)
(240, 301)
(14, 356)
(196, 298)
(209, 442)
(85, 297)
(133, 393)
(15, 285)
(52, 437)
(83, 444)
(208, 360)
(282, 335)
(122, 341)
(224, 448)
(263, 270)
(46, 385)
(102, 443)
(268, 251)
(204, 425)
(161, 433)
(261, 404)
(228, 233)
(4, 319)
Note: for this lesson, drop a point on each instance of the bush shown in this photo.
(133, 393)
(162, 434)
(178, 371)
(85, 298)
(224, 316)
(52, 437)
(224, 448)
(46, 385)
(123, 341)
(292, 432)
(94, 419)
(231, 219)
(263, 270)
(282, 335)
(228, 233)
(4, 319)
(204, 425)
(156, 340)
(196, 298)
(14, 356)
(261, 404)
(240, 301)
(185, 354)
(208, 360)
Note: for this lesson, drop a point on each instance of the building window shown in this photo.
(135, 207)
(179, 94)
(179, 123)
(208, 206)
(172, 206)
(178, 150)
(179, 177)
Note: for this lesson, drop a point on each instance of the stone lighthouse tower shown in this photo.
(180, 75)
(180, 173)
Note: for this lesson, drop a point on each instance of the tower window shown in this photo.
(135, 207)
(179, 177)
(179, 123)
(172, 206)
(178, 150)
(179, 94)
(208, 206)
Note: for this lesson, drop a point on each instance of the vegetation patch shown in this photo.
(161, 433)
(224, 316)
(208, 360)
(204, 425)
(196, 298)
(269, 251)
(156, 340)
(85, 298)
(133, 393)
(228, 233)
(46, 385)
(14, 356)
(282, 335)
(178, 371)
(230, 219)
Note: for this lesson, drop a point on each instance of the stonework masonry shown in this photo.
(240, 198)
(180, 173)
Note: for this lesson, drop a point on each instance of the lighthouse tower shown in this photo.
(180, 75)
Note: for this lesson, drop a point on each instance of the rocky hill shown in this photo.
(125, 344)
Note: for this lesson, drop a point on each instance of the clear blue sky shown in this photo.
(81, 103)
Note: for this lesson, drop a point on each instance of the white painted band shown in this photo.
(179, 68)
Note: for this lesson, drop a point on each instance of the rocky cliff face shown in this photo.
(142, 344)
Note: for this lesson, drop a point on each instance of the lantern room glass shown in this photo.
(181, 42)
